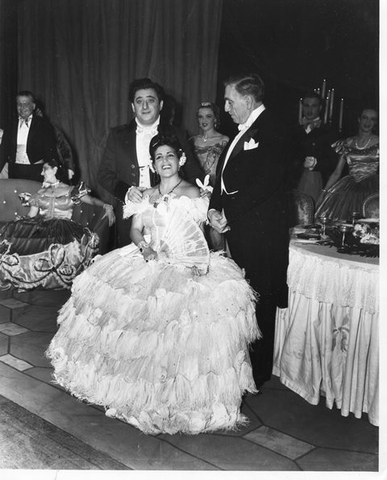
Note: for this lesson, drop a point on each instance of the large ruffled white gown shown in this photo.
(161, 345)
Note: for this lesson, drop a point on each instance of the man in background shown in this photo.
(28, 142)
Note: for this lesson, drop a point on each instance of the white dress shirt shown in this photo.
(242, 128)
(144, 135)
(22, 136)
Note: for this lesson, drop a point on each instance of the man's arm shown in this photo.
(107, 175)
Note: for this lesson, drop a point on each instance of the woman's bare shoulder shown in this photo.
(189, 190)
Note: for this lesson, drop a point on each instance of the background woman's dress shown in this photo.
(208, 157)
(48, 250)
(158, 345)
(348, 194)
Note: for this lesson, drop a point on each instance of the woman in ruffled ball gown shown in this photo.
(46, 248)
(158, 331)
(207, 147)
(341, 198)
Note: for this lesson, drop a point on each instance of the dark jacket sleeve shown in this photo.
(107, 175)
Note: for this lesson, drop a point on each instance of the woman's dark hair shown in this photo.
(61, 173)
(215, 110)
(165, 139)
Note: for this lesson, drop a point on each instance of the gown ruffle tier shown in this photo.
(159, 344)
(48, 250)
(347, 195)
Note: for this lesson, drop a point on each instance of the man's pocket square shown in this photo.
(250, 145)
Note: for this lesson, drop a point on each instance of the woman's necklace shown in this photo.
(364, 146)
(170, 191)
(208, 138)
(51, 185)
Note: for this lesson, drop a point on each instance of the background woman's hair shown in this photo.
(215, 110)
(61, 174)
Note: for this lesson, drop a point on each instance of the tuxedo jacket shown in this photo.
(257, 212)
(41, 147)
(119, 168)
(316, 143)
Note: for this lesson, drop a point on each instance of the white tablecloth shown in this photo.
(327, 340)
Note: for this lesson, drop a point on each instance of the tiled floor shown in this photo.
(285, 432)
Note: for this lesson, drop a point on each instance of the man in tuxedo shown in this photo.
(125, 165)
(312, 140)
(29, 142)
(249, 206)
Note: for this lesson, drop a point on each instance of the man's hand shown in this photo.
(134, 194)
(310, 162)
(218, 221)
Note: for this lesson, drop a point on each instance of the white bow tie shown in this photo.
(151, 131)
(243, 126)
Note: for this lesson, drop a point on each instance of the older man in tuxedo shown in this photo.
(249, 205)
(125, 165)
(28, 142)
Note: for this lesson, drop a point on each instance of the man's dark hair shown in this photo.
(26, 93)
(313, 95)
(142, 84)
(251, 84)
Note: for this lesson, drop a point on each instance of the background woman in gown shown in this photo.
(343, 197)
(46, 248)
(207, 147)
(158, 331)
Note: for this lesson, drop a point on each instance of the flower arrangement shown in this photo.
(367, 233)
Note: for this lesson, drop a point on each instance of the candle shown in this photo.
(326, 107)
(341, 114)
(331, 104)
(318, 91)
(300, 111)
(324, 86)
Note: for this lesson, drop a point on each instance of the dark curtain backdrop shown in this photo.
(79, 56)
(295, 44)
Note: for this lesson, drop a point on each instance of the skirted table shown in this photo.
(327, 340)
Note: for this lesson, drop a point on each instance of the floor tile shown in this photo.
(44, 297)
(15, 362)
(228, 453)
(316, 425)
(31, 346)
(11, 329)
(253, 423)
(28, 441)
(120, 441)
(4, 341)
(11, 308)
(324, 459)
(279, 442)
(39, 319)
(43, 374)
(4, 294)
(5, 314)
